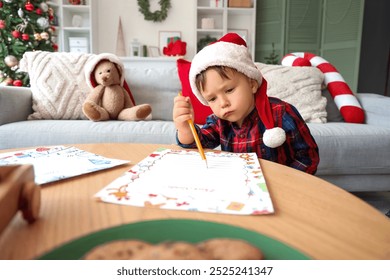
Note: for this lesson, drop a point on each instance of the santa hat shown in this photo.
(89, 69)
(231, 51)
(91, 65)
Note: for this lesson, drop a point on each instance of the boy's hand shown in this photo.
(182, 112)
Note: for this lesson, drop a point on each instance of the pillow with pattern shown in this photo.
(299, 86)
(58, 84)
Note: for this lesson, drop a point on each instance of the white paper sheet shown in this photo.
(178, 179)
(59, 162)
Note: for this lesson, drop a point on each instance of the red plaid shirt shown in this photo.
(300, 150)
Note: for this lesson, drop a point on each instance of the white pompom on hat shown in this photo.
(231, 51)
(91, 65)
(273, 137)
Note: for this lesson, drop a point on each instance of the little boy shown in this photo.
(224, 77)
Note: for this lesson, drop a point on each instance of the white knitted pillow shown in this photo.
(58, 84)
(299, 86)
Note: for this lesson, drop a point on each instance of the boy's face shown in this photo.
(230, 99)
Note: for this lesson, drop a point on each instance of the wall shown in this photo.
(181, 17)
(374, 72)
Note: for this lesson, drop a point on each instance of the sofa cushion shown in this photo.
(15, 104)
(347, 148)
(155, 82)
(58, 84)
(201, 112)
(54, 132)
(299, 86)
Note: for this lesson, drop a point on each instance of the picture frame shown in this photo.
(153, 51)
(163, 38)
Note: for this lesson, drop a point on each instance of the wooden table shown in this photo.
(313, 216)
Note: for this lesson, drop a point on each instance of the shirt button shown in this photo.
(242, 135)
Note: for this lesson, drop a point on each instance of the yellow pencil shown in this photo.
(197, 141)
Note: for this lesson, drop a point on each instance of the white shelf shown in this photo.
(240, 20)
(66, 13)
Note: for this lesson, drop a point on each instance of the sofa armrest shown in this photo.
(15, 104)
(376, 108)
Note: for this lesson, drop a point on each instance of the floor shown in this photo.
(379, 200)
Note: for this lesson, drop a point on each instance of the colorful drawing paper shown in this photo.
(178, 179)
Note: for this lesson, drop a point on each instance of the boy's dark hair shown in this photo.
(223, 71)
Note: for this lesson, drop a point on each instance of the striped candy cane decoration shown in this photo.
(342, 95)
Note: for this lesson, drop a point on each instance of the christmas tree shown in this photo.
(25, 25)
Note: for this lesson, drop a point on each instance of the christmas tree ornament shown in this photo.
(29, 7)
(8, 1)
(2, 24)
(25, 37)
(22, 26)
(43, 23)
(44, 35)
(37, 36)
(11, 61)
(20, 13)
(44, 7)
(16, 34)
(17, 83)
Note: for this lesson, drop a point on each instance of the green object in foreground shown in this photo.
(174, 230)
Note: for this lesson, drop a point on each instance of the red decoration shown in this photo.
(347, 103)
(1, 5)
(25, 37)
(38, 11)
(2, 24)
(15, 34)
(175, 48)
(201, 112)
(17, 83)
(29, 7)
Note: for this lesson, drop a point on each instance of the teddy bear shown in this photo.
(110, 97)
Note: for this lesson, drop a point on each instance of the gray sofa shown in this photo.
(356, 157)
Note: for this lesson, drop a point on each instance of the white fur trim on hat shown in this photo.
(274, 137)
(90, 66)
(223, 54)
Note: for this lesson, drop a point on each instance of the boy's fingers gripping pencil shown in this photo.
(197, 141)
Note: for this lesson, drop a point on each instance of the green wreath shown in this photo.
(157, 16)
